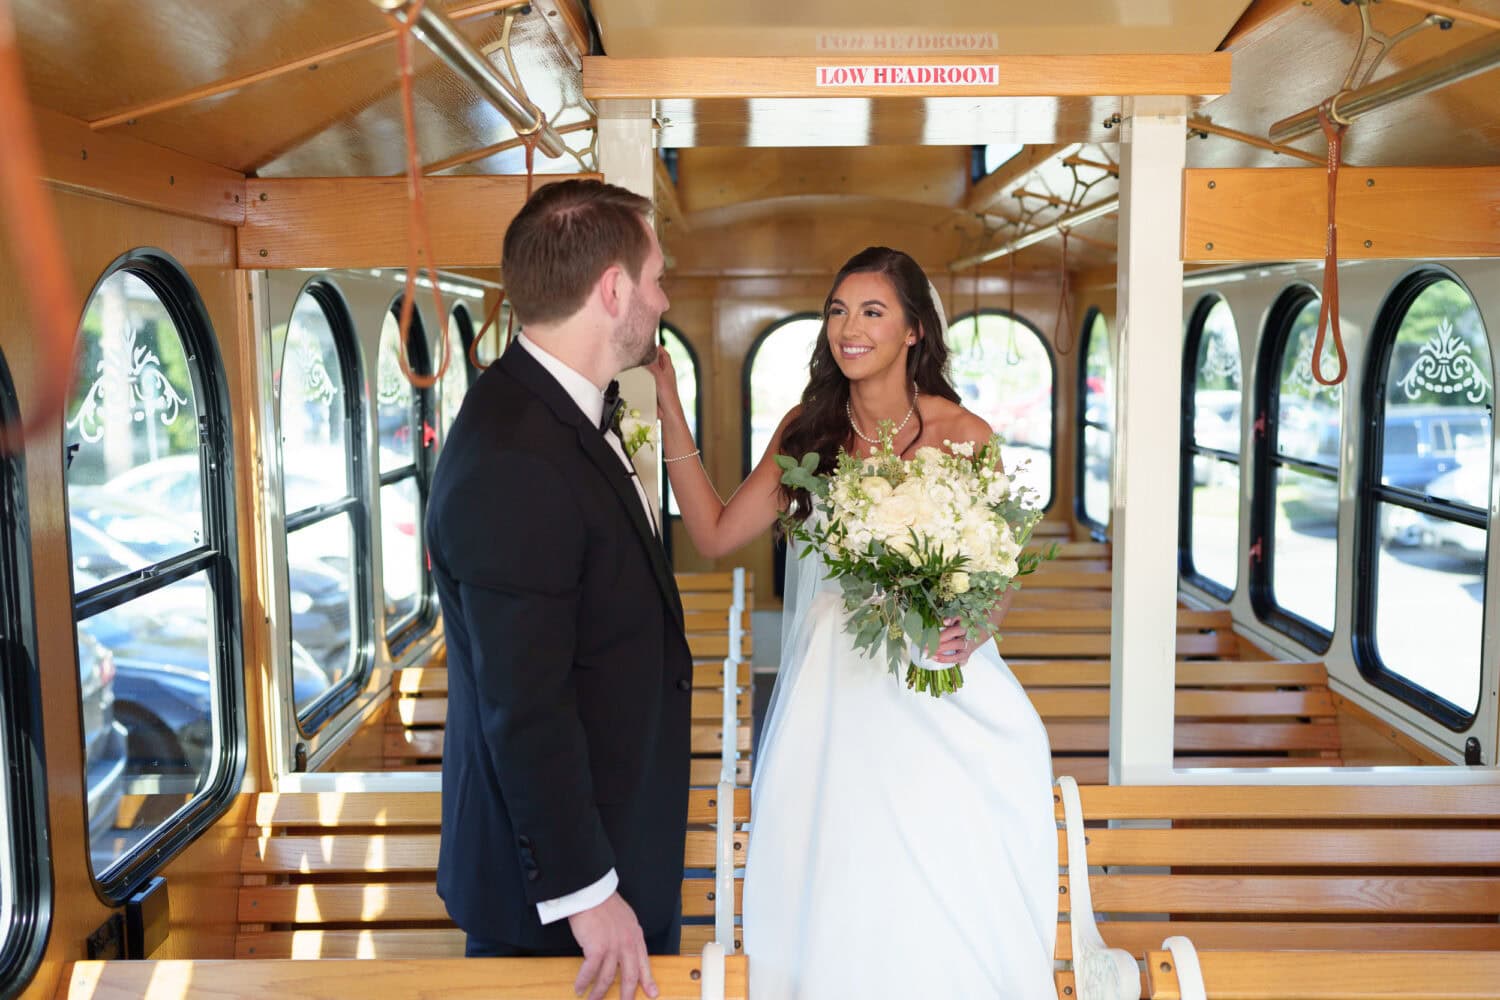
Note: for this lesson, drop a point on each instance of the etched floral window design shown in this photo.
(1431, 501)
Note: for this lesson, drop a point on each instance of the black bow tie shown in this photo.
(612, 406)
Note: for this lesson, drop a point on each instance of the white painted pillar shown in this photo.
(626, 153)
(1147, 415)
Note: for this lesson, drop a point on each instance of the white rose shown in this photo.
(876, 488)
(929, 455)
(964, 448)
(893, 515)
(959, 582)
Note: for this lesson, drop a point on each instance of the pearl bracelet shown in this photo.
(683, 458)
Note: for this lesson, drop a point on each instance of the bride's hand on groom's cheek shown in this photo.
(954, 644)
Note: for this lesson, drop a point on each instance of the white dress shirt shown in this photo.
(590, 400)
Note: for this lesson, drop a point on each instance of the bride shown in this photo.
(902, 845)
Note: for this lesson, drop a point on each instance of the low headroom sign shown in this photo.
(896, 75)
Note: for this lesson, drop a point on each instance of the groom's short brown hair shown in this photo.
(563, 239)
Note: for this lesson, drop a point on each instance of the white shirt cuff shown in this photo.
(553, 910)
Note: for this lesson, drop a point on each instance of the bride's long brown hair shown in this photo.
(822, 425)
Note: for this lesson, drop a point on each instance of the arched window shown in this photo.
(685, 362)
(1096, 417)
(1294, 557)
(775, 375)
(403, 413)
(460, 374)
(1424, 525)
(25, 857)
(152, 541)
(1212, 387)
(1003, 371)
(327, 516)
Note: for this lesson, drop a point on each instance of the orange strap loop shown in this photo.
(1064, 326)
(1328, 310)
(489, 321)
(31, 223)
(419, 239)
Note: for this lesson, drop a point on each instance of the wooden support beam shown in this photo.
(1195, 75)
(136, 172)
(361, 221)
(1384, 213)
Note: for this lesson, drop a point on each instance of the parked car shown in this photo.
(104, 739)
(319, 595)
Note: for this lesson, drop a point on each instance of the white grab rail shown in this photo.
(1099, 972)
(713, 972)
(1189, 972)
(729, 754)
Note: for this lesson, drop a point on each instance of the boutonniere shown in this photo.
(634, 432)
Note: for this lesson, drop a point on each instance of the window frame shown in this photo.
(1372, 493)
(460, 314)
(217, 558)
(23, 939)
(1275, 335)
(1191, 449)
(692, 352)
(356, 503)
(748, 368)
(400, 634)
(1051, 354)
(1099, 531)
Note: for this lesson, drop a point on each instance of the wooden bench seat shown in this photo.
(1353, 975)
(1229, 713)
(417, 713)
(1293, 868)
(351, 875)
(678, 978)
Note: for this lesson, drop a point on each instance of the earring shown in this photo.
(911, 341)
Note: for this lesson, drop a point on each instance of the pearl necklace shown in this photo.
(849, 410)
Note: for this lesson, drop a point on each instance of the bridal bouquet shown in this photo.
(915, 542)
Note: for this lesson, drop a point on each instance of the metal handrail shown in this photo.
(1478, 56)
(1087, 214)
(450, 45)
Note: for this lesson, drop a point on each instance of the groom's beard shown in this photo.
(635, 337)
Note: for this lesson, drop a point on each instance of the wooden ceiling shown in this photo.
(740, 209)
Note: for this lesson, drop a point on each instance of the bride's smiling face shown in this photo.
(867, 329)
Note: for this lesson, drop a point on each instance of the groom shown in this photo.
(565, 764)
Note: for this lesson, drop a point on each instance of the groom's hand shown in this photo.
(612, 944)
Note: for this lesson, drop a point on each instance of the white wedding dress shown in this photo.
(901, 846)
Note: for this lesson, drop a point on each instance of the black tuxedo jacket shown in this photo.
(569, 677)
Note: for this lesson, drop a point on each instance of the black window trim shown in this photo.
(401, 633)
(29, 842)
(778, 544)
(460, 313)
(1389, 318)
(666, 517)
(1098, 530)
(746, 459)
(217, 558)
(316, 714)
(1191, 449)
(1289, 302)
(1052, 405)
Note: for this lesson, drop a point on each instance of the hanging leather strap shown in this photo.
(1328, 310)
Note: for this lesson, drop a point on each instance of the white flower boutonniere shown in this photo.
(635, 433)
